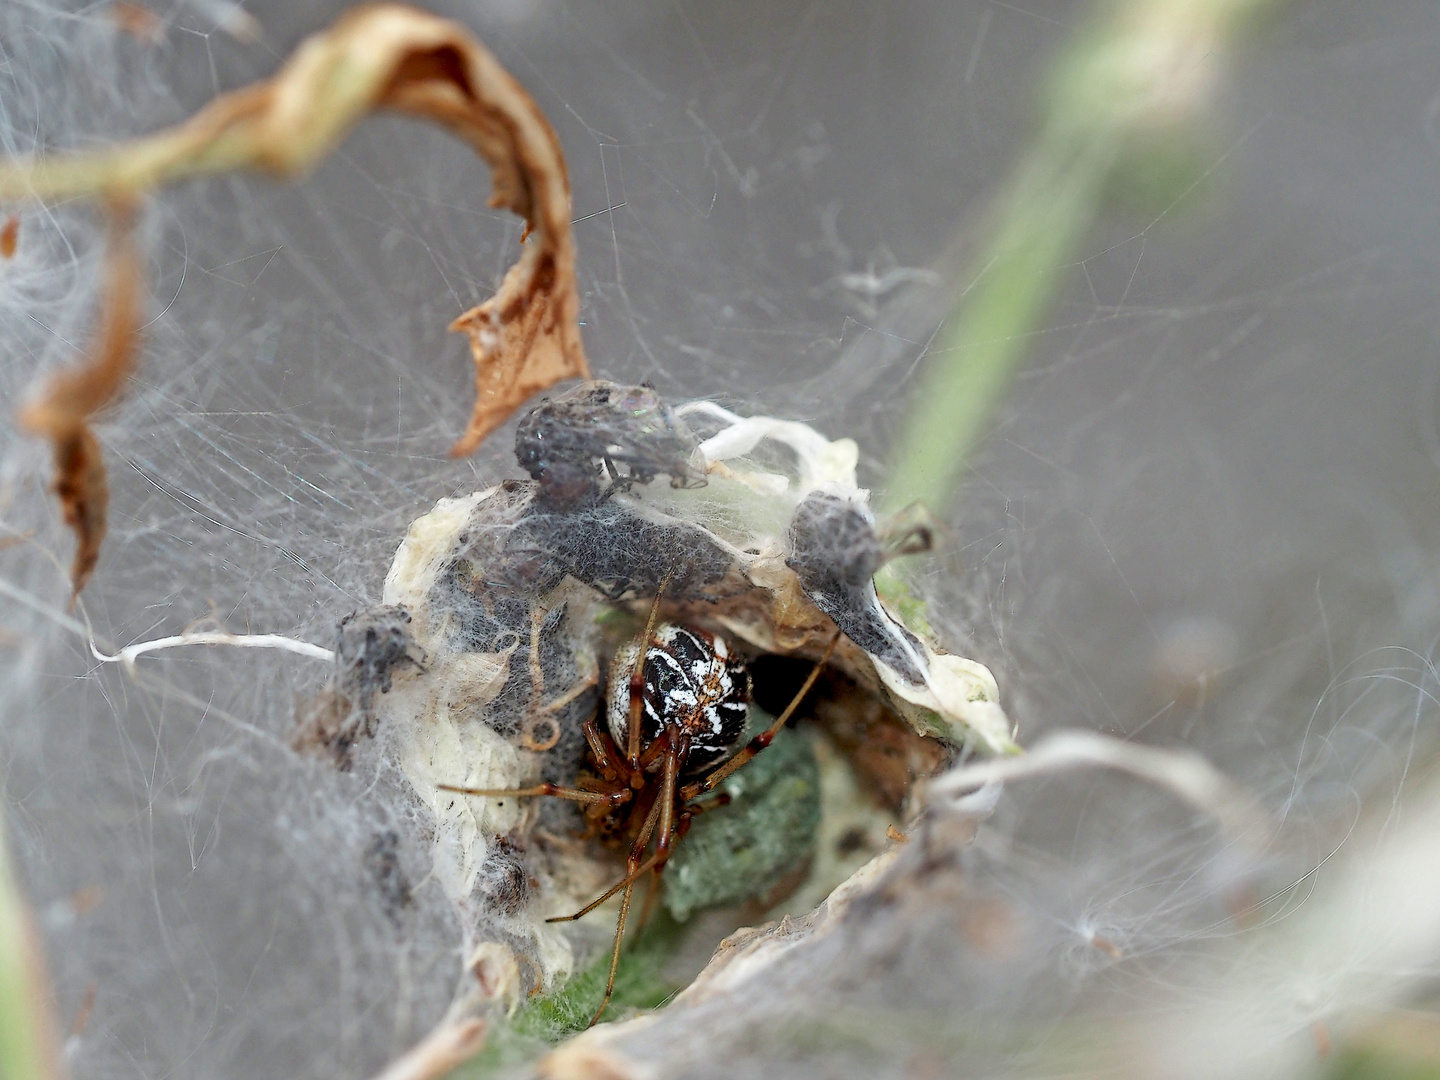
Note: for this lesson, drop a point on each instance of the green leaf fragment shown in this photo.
(556, 1016)
(742, 850)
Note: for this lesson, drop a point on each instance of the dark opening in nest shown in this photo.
(884, 750)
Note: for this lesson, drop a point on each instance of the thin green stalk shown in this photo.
(1145, 75)
(27, 1047)
(971, 371)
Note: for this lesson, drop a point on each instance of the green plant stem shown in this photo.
(969, 375)
(27, 1047)
(1141, 76)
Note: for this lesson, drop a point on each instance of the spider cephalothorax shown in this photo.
(692, 679)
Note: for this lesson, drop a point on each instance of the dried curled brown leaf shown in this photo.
(381, 56)
(10, 237)
(63, 413)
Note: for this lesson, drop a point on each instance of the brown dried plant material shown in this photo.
(10, 237)
(241, 25)
(888, 756)
(85, 1011)
(454, 1041)
(63, 413)
(138, 21)
(382, 56)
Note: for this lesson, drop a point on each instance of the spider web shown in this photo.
(1206, 517)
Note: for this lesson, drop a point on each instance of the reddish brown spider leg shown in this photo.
(634, 874)
(614, 954)
(765, 738)
(653, 753)
(690, 811)
(677, 747)
(637, 851)
(637, 685)
(629, 879)
(614, 798)
(647, 829)
(652, 893)
(695, 809)
(606, 753)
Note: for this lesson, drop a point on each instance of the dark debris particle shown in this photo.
(502, 884)
(382, 862)
(499, 569)
(519, 547)
(834, 551)
(581, 447)
(833, 539)
(621, 552)
(369, 646)
(600, 430)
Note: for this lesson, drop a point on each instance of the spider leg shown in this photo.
(614, 954)
(637, 685)
(629, 879)
(653, 753)
(661, 810)
(695, 809)
(678, 746)
(672, 825)
(603, 748)
(651, 895)
(765, 738)
(637, 849)
(614, 798)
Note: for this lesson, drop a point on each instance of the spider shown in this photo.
(671, 734)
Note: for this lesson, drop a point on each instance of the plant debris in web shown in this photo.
(502, 612)
(383, 56)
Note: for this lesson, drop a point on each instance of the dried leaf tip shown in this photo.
(139, 21)
(62, 412)
(379, 56)
(10, 237)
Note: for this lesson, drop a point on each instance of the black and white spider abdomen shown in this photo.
(692, 680)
